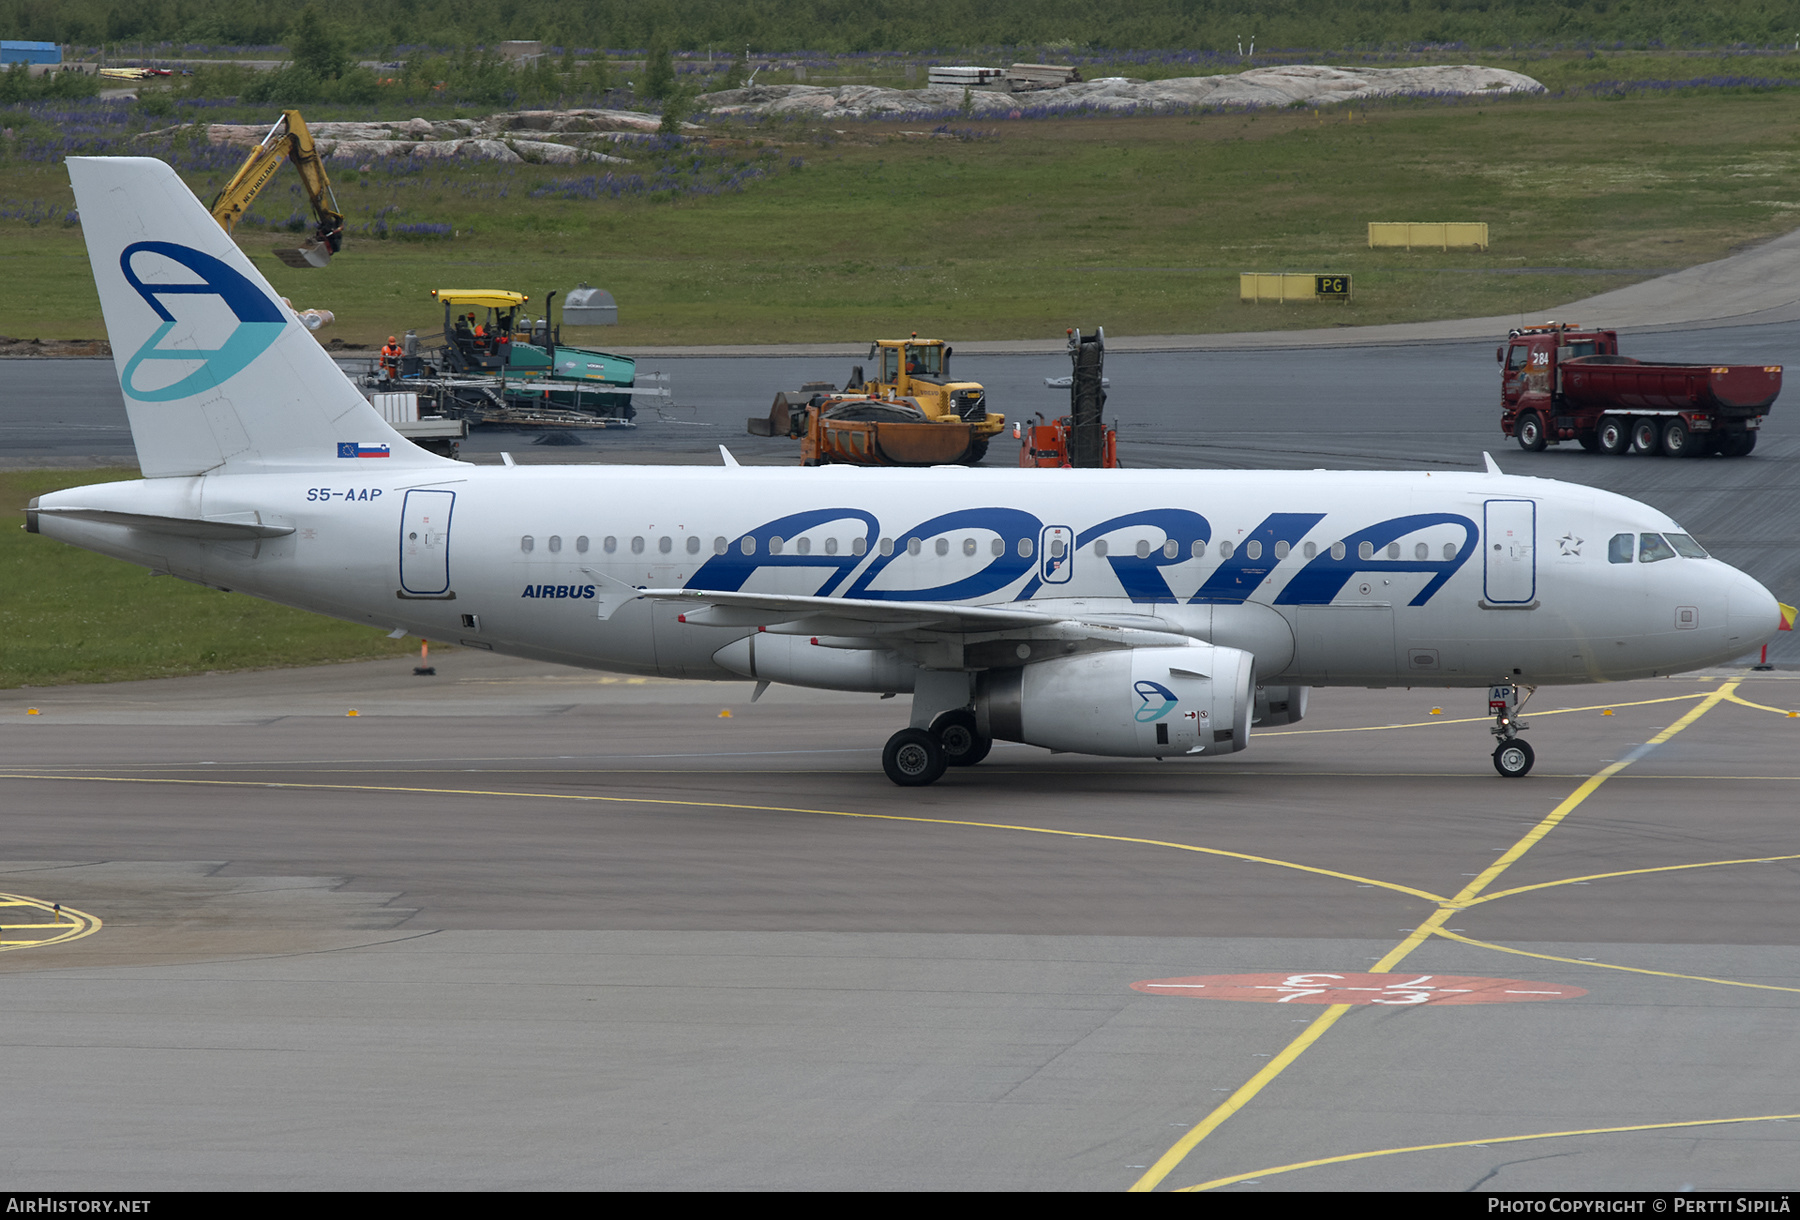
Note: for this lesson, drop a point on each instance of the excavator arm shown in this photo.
(288, 139)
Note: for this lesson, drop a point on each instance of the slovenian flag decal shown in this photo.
(351, 449)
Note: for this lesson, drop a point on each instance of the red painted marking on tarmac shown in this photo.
(1394, 990)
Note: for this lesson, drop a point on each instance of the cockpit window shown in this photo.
(1619, 549)
(1685, 546)
(1652, 548)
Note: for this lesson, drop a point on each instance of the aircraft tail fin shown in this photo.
(218, 375)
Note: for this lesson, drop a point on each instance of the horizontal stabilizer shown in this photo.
(237, 525)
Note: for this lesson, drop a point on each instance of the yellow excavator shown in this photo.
(288, 139)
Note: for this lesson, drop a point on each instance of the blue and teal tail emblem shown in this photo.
(260, 322)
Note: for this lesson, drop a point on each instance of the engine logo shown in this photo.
(1158, 701)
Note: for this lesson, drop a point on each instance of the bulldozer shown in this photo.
(908, 414)
(288, 139)
(918, 370)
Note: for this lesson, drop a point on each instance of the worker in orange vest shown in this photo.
(390, 359)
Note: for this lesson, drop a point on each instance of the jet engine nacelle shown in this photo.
(1140, 702)
(1279, 705)
(797, 661)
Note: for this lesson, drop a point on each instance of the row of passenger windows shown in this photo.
(1653, 547)
(665, 544)
(859, 546)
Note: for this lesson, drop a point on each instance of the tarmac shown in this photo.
(521, 927)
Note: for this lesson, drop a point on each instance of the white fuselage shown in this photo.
(1328, 578)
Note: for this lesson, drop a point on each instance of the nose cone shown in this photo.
(1752, 612)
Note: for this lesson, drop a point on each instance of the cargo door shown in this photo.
(425, 543)
(1347, 641)
(1510, 552)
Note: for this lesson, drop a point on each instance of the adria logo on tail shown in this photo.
(260, 321)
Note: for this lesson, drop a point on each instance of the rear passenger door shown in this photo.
(425, 543)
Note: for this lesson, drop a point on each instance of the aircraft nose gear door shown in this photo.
(425, 544)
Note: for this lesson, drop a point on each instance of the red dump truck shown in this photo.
(1561, 383)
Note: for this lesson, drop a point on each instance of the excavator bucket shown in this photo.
(312, 254)
(780, 421)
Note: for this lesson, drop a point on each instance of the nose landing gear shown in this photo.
(1513, 756)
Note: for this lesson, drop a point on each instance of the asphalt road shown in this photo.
(513, 926)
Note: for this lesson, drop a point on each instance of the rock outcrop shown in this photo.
(1306, 84)
(556, 137)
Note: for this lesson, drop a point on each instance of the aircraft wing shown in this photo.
(715, 609)
(865, 622)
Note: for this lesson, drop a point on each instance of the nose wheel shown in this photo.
(1513, 756)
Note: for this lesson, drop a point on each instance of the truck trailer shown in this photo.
(1559, 382)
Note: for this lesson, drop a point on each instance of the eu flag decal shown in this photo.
(351, 449)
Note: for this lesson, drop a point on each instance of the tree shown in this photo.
(596, 78)
(659, 71)
(676, 108)
(315, 48)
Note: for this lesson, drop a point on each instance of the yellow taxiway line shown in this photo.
(1483, 1143)
(65, 924)
(1166, 1164)
(1579, 961)
(1470, 895)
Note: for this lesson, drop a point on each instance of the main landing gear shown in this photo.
(1513, 756)
(916, 757)
(964, 746)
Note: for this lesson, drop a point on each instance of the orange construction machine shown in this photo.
(1079, 439)
(908, 414)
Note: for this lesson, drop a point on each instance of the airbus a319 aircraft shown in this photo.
(1128, 613)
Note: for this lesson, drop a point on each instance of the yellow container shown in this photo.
(1442, 234)
(1255, 286)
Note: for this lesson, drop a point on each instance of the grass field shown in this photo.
(69, 615)
(1018, 229)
